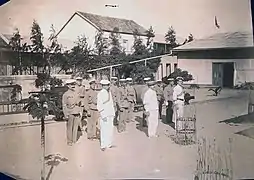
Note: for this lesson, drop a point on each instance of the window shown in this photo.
(161, 70)
(175, 66)
(168, 69)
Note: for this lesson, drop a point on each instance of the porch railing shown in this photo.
(12, 107)
(111, 67)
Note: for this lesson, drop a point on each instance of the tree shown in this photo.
(138, 46)
(101, 44)
(170, 38)
(80, 55)
(190, 38)
(54, 53)
(181, 73)
(39, 106)
(150, 35)
(18, 59)
(115, 47)
(37, 46)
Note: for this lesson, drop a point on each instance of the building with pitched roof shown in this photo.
(223, 59)
(5, 51)
(81, 23)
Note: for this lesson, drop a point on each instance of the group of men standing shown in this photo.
(114, 105)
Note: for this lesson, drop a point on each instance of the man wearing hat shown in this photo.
(151, 109)
(160, 97)
(105, 106)
(123, 105)
(90, 107)
(178, 99)
(80, 89)
(146, 80)
(71, 108)
(114, 91)
(168, 95)
(131, 99)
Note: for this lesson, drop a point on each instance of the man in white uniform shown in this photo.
(178, 100)
(105, 106)
(151, 110)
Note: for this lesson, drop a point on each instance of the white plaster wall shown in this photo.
(201, 69)
(126, 41)
(77, 27)
(26, 81)
(161, 72)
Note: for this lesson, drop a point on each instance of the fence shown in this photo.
(214, 162)
(12, 107)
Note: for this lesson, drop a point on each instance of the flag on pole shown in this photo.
(2, 2)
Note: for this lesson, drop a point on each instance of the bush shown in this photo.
(179, 73)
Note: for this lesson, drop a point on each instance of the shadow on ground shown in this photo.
(164, 121)
(244, 119)
(53, 160)
(247, 132)
(141, 126)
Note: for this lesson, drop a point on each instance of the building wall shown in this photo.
(126, 41)
(26, 81)
(167, 66)
(78, 26)
(201, 69)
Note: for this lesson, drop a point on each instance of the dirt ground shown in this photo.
(134, 155)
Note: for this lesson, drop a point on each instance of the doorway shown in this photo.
(228, 75)
(223, 74)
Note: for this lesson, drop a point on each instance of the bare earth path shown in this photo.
(134, 156)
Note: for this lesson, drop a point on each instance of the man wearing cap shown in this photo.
(131, 94)
(105, 106)
(114, 91)
(178, 99)
(71, 108)
(90, 106)
(151, 109)
(81, 92)
(123, 105)
(146, 80)
(168, 95)
(160, 97)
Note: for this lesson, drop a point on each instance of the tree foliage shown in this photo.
(150, 34)
(39, 105)
(170, 38)
(188, 39)
(80, 55)
(115, 46)
(18, 59)
(181, 73)
(101, 44)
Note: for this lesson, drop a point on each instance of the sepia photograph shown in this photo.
(126, 89)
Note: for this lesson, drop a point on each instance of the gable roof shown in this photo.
(107, 24)
(220, 40)
(3, 41)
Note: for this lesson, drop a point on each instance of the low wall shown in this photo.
(26, 81)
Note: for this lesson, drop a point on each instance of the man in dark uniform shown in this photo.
(168, 95)
(160, 96)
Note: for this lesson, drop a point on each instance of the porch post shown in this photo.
(110, 72)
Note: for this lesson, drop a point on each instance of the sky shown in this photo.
(186, 16)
